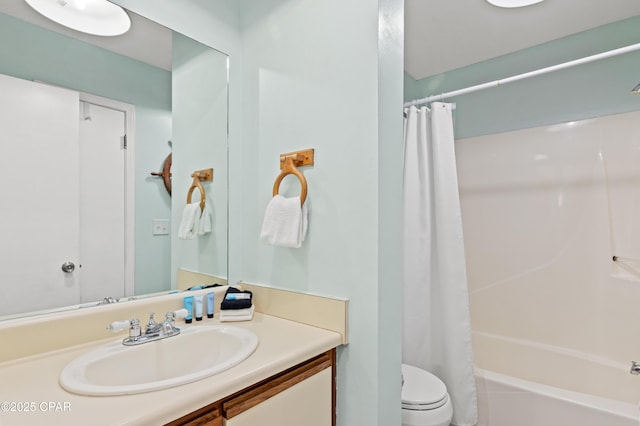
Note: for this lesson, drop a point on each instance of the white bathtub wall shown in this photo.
(544, 210)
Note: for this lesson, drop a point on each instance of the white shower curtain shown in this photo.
(436, 329)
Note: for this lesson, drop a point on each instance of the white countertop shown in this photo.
(31, 383)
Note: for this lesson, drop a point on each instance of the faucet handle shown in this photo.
(180, 313)
(135, 331)
(118, 326)
(152, 324)
(168, 325)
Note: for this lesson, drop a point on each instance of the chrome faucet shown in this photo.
(107, 300)
(153, 331)
(635, 368)
(152, 325)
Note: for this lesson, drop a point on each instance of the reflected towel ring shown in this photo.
(198, 176)
(196, 184)
(289, 168)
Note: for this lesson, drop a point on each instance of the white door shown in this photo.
(39, 203)
(102, 202)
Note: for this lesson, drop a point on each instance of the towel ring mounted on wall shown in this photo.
(199, 176)
(288, 163)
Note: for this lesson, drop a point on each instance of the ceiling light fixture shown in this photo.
(636, 90)
(513, 3)
(97, 17)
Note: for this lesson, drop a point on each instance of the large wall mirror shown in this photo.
(85, 122)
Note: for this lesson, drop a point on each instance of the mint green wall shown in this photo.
(33, 53)
(315, 76)
(410, 90)
(199, 142)
(153, 253)
(40, 54)
(390, 180)
(598, 88)
(215, 23)
(310, 74)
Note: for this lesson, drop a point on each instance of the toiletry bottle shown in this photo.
(188, 305)
(210, 307)
(199, 299)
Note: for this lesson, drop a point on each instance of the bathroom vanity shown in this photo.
(304, 394)
(287, 380)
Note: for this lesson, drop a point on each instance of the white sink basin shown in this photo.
(197, 352)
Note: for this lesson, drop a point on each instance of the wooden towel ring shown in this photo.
(289, 168)
(196, 184)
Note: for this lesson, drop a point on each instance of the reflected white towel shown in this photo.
(285, 222)
(190, 221)
(204, 225)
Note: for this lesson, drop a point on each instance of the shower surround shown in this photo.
(544, 211)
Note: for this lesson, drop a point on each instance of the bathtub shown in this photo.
(526, 384)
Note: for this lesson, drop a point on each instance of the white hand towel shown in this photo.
(230, 315)
(190, 221)
(204, 226)
(285, 222)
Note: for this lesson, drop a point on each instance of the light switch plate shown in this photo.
(160, 226)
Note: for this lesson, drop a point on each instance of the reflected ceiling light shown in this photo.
(513, 3)
(636, 90)
(97, 17)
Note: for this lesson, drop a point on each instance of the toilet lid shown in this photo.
(422, 390)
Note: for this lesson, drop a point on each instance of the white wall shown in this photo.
(544, 210)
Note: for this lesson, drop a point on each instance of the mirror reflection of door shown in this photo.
(46, 170)
(40, 195)
(102, 202)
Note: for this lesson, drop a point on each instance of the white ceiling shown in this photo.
(146, 41)
(441, 35)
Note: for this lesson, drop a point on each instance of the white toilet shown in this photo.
(425, 401)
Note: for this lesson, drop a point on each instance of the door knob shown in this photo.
(68, 267)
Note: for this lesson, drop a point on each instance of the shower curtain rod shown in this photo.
(496, 83)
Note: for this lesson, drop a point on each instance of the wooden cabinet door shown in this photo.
(307, 403)
(302, 395)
